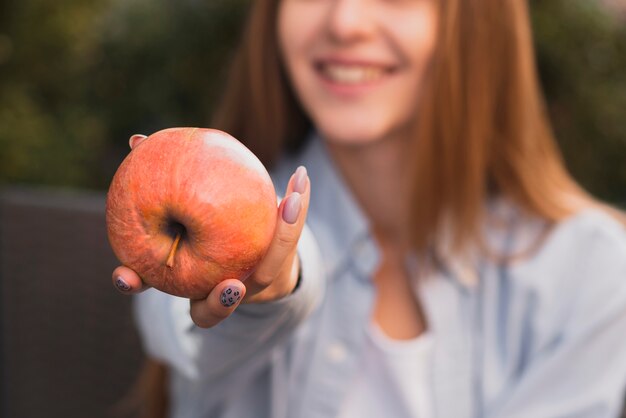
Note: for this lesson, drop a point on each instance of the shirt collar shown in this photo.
(338, 221)
(343, 230)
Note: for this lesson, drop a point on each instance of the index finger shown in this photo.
(135, 140)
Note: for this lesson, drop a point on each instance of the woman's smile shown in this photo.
(352, 72)
(352, 77)
(357, 67)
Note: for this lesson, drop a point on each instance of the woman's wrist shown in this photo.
(282, 286)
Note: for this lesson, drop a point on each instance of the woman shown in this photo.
(449, 267)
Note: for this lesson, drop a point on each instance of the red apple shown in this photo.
(189, 208)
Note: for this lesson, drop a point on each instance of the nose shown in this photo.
(350, 20)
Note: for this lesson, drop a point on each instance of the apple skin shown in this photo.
(204, 184)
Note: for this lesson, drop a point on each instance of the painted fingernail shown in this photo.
(299, 182)
(122, 285)
(230, 296)
(292, 208)
(136, 139)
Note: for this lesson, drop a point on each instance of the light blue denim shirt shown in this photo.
(541, 337)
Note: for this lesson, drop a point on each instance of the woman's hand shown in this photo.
(275, 277)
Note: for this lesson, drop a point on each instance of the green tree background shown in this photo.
(78, 77)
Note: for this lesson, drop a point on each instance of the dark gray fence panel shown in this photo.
(68, 346)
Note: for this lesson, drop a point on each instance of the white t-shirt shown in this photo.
(392, 378)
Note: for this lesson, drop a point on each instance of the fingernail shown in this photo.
(135, 139)
(299, 182)
(230, 296)
(122, 285)
(292, 208)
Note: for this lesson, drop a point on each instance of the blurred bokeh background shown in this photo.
(78, 77)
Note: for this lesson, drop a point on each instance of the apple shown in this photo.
(189, 208)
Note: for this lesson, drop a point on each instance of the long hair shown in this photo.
(258, 106)
(481, 128)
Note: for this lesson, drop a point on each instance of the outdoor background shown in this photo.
(78, 77)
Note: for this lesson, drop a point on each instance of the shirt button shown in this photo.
(337, 352)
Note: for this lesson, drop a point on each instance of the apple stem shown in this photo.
(170, 257)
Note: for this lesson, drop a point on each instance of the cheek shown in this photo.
(419, 37)
(296, 29)
(415, 39)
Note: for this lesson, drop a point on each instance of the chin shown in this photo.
(351, 133)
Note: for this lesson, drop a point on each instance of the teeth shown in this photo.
(352, 74)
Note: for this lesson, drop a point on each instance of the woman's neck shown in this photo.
(378, 174)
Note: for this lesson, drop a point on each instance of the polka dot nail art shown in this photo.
(230, 296)
(122, 285)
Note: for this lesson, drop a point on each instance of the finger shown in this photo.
(299, 181)
(135, 140)
(291, 216)
(127, 281)
(221, 302)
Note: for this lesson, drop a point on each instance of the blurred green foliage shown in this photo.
(581, 52)
(78, 77)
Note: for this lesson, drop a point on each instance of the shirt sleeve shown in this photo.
(238, 345)
(581, 373)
